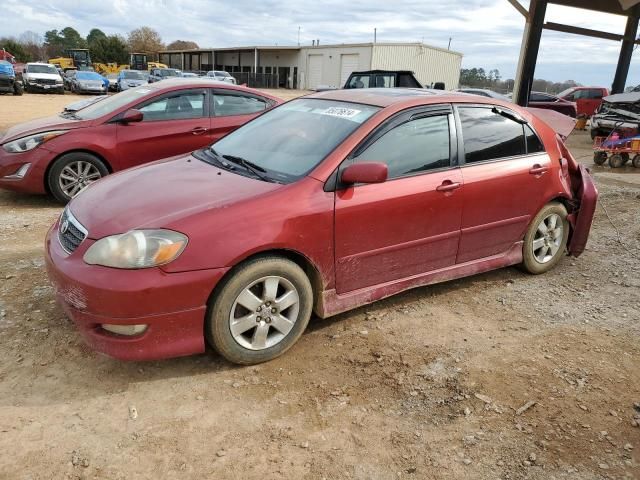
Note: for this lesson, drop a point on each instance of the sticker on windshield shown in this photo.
(341, 112)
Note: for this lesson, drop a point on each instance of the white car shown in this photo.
(221, 76)
(42, 77)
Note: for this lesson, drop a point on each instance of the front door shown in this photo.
(173, 124)
(504, 172)
(409, 224)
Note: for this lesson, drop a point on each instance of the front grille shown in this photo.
(71, 233)
(45, 81)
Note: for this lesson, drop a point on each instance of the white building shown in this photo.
(308, 67)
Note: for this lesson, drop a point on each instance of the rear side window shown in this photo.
(226, 104)
(489, 136)
(360, 81)
(413, 147)
(534, 145)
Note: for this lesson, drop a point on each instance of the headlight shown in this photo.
(137, 249)
(25, 144)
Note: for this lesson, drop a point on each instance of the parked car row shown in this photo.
(260, 213)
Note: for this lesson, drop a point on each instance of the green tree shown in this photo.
(94, 35)
(16, 49)
(58, 42)
(112, 48)
(145, 40)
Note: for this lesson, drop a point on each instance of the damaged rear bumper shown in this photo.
(582, 218)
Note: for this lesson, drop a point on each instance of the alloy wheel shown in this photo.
(548, 238)
(76, 176)
(264, 313)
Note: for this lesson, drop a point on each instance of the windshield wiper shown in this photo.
(257, 170)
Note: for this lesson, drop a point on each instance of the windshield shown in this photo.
(169, 73)
(113, 103)
(291, 140)
(132, 76)
(42, 69)
(566, 92)
(88, 76)
(221, 74)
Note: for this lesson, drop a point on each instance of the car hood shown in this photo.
(44, 76)
(42, 125)
(161, 194)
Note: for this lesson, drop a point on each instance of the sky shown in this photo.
(487, 32)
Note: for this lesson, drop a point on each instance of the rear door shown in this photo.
(409, 224)
(231, 108)
(593, 100)
(505, 171)
(174, 123)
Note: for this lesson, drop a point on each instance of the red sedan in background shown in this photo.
(551, 102)
(323, 204)
(63, 154)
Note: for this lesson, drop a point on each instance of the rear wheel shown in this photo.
(599, 158)
(546, 239)
(616, 161)
(72, 173)
(260, 311)
(636, 161)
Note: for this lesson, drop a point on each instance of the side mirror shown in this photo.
(365, 172)
(131, 116)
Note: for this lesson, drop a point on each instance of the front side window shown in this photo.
(182, 106)
(290, 140)
(488, 135)
(595, 93)
(413, 147)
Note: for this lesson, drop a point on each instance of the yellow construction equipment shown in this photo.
(76, 59)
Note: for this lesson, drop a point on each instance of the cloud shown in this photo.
(487, 32)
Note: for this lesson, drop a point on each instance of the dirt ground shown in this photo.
(497, 376)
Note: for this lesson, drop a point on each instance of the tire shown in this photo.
(71, 164)
(246, 346)
(635, 161)
(616, 161)
(18, 90)
(536, 260)
(599, 158)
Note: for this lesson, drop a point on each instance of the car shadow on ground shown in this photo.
(80, 365)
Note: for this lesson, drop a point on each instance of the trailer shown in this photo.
(617, 151)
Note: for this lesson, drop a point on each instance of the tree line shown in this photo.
(31, 46)
(492, 80)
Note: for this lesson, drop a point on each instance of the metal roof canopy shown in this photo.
(535, 23)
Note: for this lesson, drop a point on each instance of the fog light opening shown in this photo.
(20, 172)
(128, 330)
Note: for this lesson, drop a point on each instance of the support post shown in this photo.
(529, 53)
(626, 52)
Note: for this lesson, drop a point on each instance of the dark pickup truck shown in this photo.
(8, 81)
(382, 79)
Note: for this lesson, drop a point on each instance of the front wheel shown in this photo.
(636, 161)
(599, 158)
(72, 173)
(546, 240)
(260, 311)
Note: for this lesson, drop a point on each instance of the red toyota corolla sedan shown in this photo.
(322, 204)
(61, 155)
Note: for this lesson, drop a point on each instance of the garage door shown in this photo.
(348, 63)
(315, 71)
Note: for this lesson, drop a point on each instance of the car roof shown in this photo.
(384, 97)
(363, 72)
(42, 63)
(199, 82)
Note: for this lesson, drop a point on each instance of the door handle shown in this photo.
(538, 170)
(199, 131)
(448, 186)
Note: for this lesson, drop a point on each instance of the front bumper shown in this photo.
(173, 305)
(33, 181)
(46, 88)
